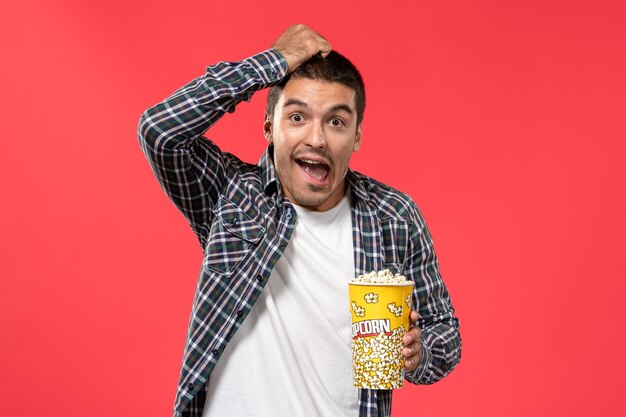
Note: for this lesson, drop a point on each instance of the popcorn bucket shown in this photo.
(380, 317)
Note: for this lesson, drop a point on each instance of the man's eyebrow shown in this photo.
(294, 102)
(343, 107)
(334, 109)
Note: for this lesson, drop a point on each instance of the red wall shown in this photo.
(503, 119)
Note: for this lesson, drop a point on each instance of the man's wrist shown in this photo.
(270, 65)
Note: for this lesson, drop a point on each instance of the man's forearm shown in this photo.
(440, 337)
(195, 107)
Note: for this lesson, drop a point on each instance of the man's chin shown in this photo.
(310, 203)
(317, 201)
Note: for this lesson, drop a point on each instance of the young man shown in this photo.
(270, 330)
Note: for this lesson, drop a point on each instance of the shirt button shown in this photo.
(240, 313)
(283, 244)
(215, 352)
(233, 222)
(190, 385)
(288, 215)
(259, 278)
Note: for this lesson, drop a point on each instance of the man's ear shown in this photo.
(267, 128)
(357, 139)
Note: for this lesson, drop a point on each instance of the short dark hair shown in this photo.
(334, 68)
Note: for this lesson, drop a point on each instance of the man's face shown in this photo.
(314, 132)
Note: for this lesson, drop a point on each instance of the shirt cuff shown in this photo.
(270, 64)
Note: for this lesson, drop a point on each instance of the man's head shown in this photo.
(314, 122)
(334, 68)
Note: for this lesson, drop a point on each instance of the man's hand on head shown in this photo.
(299, 43)
(412, 350)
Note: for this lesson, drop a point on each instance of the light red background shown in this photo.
(504, 120)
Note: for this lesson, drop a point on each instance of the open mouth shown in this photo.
(317, 170)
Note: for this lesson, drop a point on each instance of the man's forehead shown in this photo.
(305, 92)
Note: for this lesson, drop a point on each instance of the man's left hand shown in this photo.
(412, 350)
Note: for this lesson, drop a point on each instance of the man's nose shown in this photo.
(316, 137)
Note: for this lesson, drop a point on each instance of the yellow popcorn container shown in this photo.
(380, 317)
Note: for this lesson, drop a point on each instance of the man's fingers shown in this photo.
(412, 356)
(299, 43)
(412, 349)
(411, 336)
(325, 48)
(411, 363)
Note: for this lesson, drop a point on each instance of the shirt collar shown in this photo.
(268, 173)
(271, 184)
(357, 185)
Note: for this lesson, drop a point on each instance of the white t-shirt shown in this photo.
(292, 354)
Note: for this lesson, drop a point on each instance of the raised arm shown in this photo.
(190, 168)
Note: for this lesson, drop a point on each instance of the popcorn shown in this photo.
(378, 362)
(381, 277)
(394, 309)
(371, 298)
(379, 320)
(358, 310)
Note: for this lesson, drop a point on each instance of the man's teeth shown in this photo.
(308, 161)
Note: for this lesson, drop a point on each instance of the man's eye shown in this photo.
(296, 117)
(336, 122)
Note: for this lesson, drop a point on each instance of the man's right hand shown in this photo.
(299, 43)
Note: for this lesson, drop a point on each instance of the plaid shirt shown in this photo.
(244, 222)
